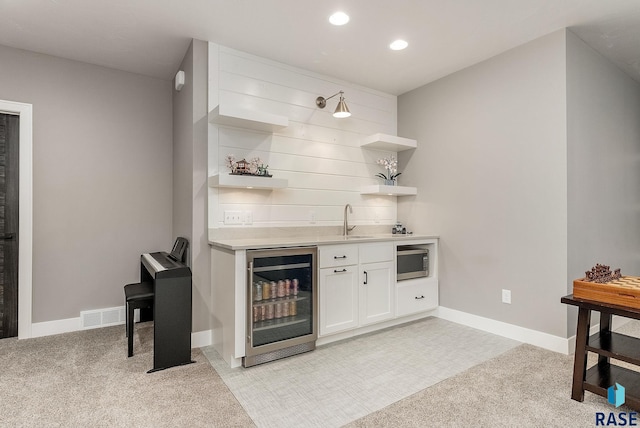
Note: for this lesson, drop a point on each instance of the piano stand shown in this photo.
(171, 310)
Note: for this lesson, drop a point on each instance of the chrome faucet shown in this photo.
(345, 227)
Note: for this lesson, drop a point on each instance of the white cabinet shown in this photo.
(376, 282)
(338, 281)
(416, 295)
(419, 294)
(356, 285)
(338, 299)
(376, 292)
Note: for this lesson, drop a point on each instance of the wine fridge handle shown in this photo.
(366, 277)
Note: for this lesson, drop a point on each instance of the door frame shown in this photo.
(25, 228)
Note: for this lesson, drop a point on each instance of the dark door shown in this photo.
(9, 145)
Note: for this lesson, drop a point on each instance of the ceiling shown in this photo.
(150, 37)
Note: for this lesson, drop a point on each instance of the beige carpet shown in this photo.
(84, 379)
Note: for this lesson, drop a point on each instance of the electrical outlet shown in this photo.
(506, 296)
(248, 217)
(233, 217)
(312, 217)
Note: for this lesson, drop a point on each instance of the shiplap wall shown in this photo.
(318, 154)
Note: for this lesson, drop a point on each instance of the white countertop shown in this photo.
(303, 241)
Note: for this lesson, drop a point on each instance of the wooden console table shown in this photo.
(607, 345)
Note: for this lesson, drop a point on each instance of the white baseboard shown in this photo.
(49, 328)
(521, 334)
(201, 338)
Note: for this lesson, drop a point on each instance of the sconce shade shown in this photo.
(342, 110)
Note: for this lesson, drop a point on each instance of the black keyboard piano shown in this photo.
(171, 308)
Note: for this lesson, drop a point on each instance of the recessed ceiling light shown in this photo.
(339, 18)
(398, 45)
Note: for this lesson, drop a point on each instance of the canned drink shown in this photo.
(294, 285)
(257, 293)
(266, 290)
(278, 311)
(274, 289)
(287, 287)
(256, 313)
(270, 312)
(281, 288)
(293, 308)
(285, 309)
(263, 313)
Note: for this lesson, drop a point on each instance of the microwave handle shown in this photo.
(425, 262)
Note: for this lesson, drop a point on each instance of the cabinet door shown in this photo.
(376, 292)
(338, 299)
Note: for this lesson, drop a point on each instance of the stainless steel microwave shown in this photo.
(412, 262)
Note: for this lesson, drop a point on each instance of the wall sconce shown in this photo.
(342, 110)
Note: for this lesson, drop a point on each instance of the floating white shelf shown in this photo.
(247, 182)
(388, 142)
(244, 118)
(380, 189)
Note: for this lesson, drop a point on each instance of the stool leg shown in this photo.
(130, 331)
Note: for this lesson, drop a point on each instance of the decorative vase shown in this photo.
(390, 182)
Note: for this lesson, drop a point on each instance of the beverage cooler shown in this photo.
(282, 304)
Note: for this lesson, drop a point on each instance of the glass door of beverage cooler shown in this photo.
(282, 303)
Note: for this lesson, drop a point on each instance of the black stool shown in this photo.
(138, 295)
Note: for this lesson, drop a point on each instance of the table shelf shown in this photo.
(616, 345)
(600, 377)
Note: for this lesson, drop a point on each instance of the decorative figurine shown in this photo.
(243, 167)
(602, 274)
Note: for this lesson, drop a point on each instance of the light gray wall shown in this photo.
(190, 175)
(491, 172)
(603, 140)
(101, 177)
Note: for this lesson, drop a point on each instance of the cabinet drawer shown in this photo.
(337, 255)
(416, 296)
(376, 252)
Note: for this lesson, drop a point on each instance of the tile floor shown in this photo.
(343, 381)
